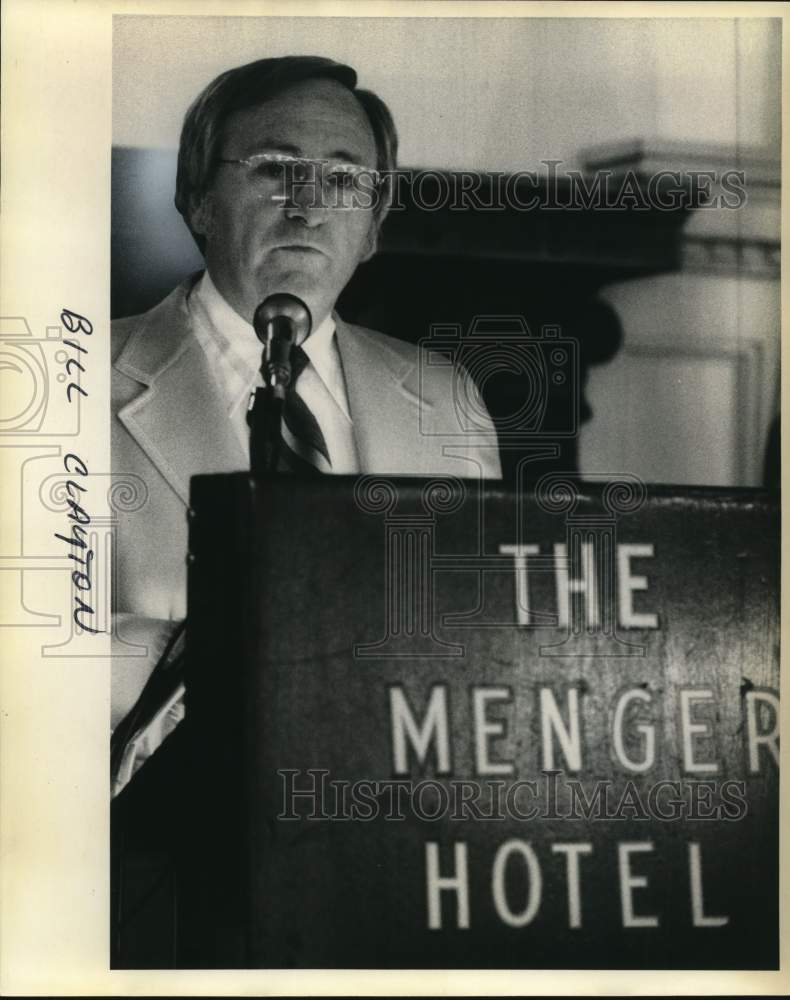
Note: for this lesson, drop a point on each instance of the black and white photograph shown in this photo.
(409, 493)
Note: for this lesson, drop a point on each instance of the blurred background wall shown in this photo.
(690, 394)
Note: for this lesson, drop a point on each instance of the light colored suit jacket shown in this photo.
(169, 424)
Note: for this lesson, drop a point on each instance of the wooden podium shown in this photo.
(436, 723)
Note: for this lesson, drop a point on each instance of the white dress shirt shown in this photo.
(234, 356)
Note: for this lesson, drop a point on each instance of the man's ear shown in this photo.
(371, 243)
(201, 214)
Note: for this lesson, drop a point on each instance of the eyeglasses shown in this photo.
(343, 185)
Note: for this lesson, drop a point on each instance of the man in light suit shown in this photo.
(282, 181)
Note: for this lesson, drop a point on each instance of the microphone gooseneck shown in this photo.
(280, 321)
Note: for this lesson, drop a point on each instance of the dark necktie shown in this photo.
(304, 449)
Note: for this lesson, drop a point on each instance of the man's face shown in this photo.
(256, 245)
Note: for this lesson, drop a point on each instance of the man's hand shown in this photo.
(130, 672)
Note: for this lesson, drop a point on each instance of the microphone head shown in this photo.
(282, 306)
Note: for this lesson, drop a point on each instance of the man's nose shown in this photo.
(306, 200)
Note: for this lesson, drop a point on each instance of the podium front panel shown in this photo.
(438, 724)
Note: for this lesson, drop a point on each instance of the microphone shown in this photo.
(279, 321)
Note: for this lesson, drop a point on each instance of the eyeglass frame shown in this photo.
(342, 167)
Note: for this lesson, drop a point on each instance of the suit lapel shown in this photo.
(389, 419)
(178, 420)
